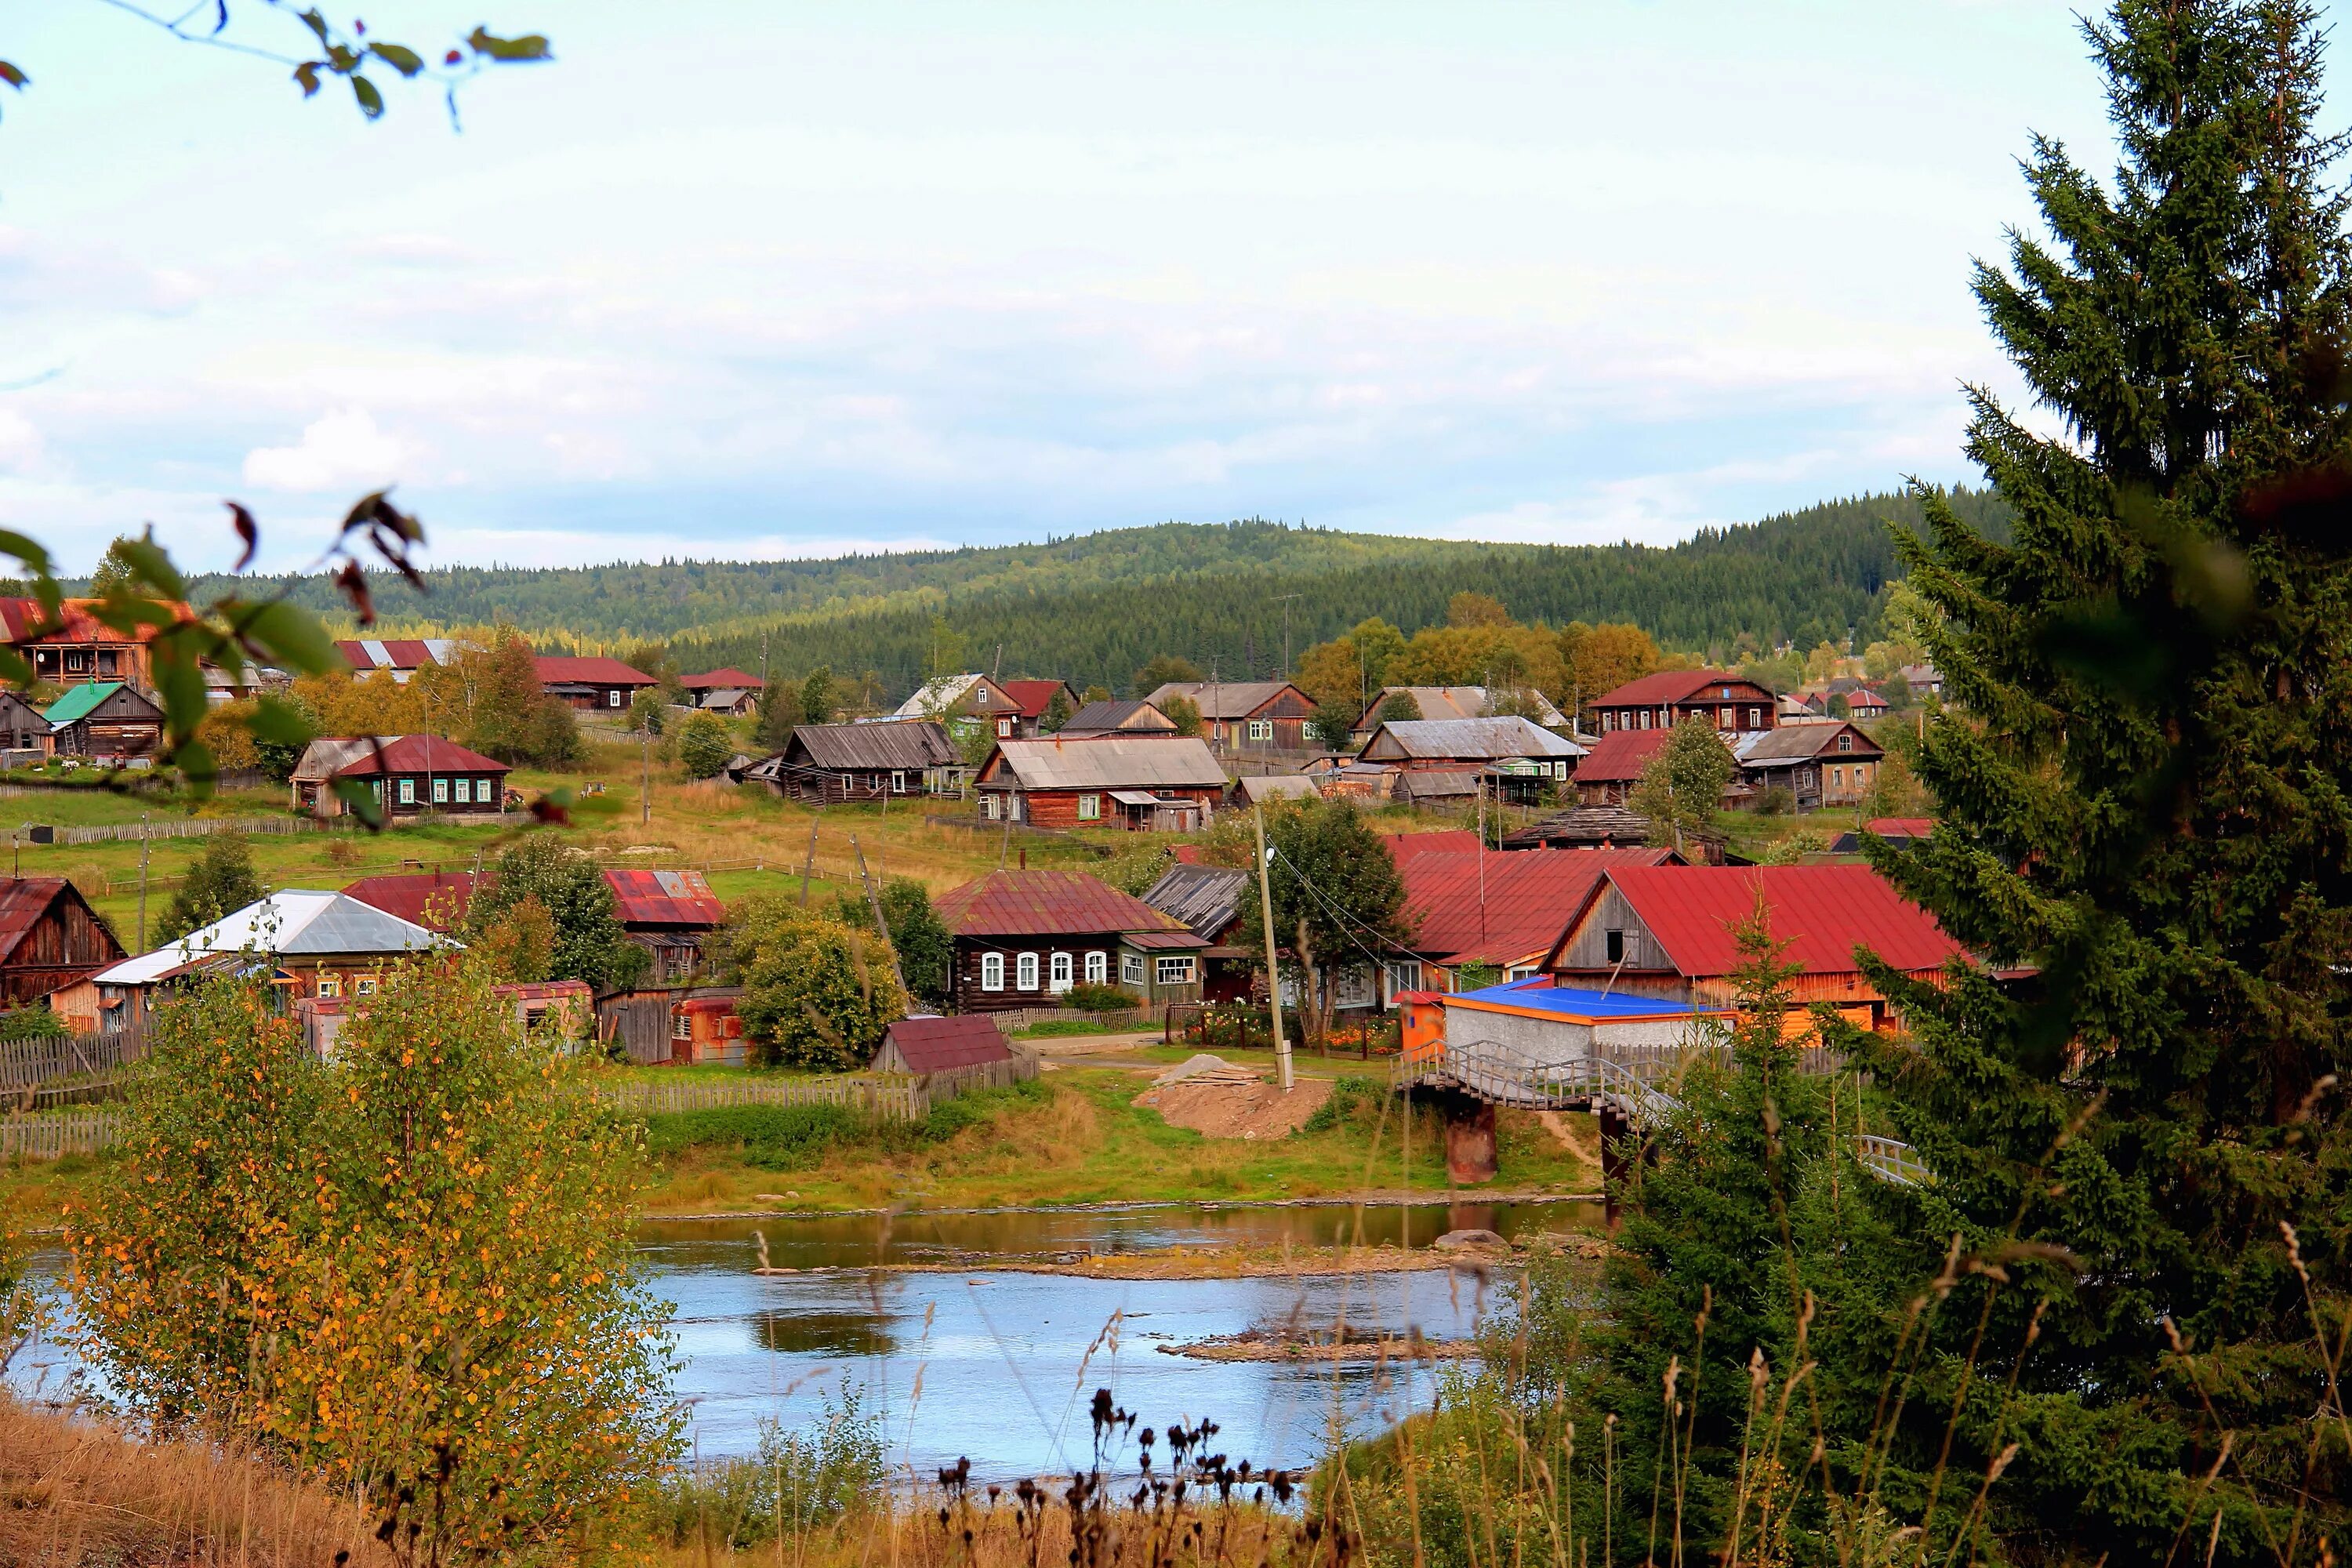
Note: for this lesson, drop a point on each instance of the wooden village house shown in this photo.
(1116, 717)
(1208, 901)
(1519, 760)
(670, 914)
(407, 776)
(24, 731)
(1168, 783)
(1456, 703)
(826, 764)
(1245, 715)
(1023, 938)
(1819, 765)
(49, 937)
(591, 683)
(1668, 932)
(1728, 701)
(106, 721)
(78, 648)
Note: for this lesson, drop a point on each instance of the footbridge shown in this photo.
(1628, 1085)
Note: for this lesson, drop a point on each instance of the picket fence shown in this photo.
(1134, 1018)
(28, 1064)
(55, 1137)
(199, 828)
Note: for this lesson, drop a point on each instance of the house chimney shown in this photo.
(1025, 857)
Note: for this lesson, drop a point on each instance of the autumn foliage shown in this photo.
(406, 1271)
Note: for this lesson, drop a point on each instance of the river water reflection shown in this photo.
(999, 1365)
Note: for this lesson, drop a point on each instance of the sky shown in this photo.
(731, 281)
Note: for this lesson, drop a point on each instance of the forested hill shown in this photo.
(1095, 606)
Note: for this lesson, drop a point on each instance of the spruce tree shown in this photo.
(2147, 824)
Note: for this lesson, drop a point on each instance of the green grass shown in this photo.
(1074, 1136)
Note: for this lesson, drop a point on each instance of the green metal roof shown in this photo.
(77, 703)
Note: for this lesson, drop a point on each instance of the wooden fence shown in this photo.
(1133, 1019)
(27, 1064)
(55, 1137)
(200, 827)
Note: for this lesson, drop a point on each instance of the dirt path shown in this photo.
(1557, 1126)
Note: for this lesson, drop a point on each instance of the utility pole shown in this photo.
(143, 882)
(809, 865)
(874, 902)
(1284, 600)
(1273, 973)
(645, 780)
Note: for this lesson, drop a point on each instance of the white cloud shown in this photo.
(338, 449)
(20, 444)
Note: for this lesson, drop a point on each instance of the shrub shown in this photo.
(816, 992)
(704, 746)
(408, 1271)
(800, 1476)
(1092, 998)
(1352, 1099)
(32, 1022)
(1778, 801)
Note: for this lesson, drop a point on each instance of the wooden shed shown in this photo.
(105, 719)
(930, 1044)
(829, 764)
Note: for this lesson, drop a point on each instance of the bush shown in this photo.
(816, 992)
(704, 746)
(1352, 1099)
(1092, 998)
(1778, 801)
(32, 1022)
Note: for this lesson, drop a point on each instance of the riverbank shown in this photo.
(1074, 1137)
(1071, 1139)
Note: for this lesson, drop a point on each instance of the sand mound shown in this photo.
(1237, 1111)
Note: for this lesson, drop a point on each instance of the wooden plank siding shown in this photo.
(1058, 808)
(971, 997)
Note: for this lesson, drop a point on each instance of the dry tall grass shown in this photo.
(77, 1493)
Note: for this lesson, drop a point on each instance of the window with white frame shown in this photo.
(1090, 809)
(1404, 975)
(681, 1026)
(440, 791)
(1098, 968)
(1645, 718)
(1130, 968)
(992, 971)
(1521, 972)
(466, 792)
(989, 806)
(1175, 972)
(1004, 728)
(1024, 972)
(1845, 742)
(408, 792)
(612, 698)
(1063, 974)
(363, 985)
(1755, 718)
(331, 985)
(1261, 729)
(897, 783)
(1729, 717)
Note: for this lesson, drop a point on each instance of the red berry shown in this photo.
(452, 57)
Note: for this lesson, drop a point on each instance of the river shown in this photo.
(999, 1365)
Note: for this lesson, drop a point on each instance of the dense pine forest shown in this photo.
(1094, 607)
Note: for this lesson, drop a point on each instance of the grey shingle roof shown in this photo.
(1155, 762)
(1486, 740)
(1205, 898)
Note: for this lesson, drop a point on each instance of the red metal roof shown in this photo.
(1903, 826)
(1531, 895)
(1666, 686)
(1619, 756)
(400, 652)
(937, 1044)
(1403, 847)
(437, 900)
(545, 990)
(1825, 912)
(1031, 697)
(1046, 903)
(719, 679)
(590, 670)
(20, 617)
(418, 755)
(666, 899)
